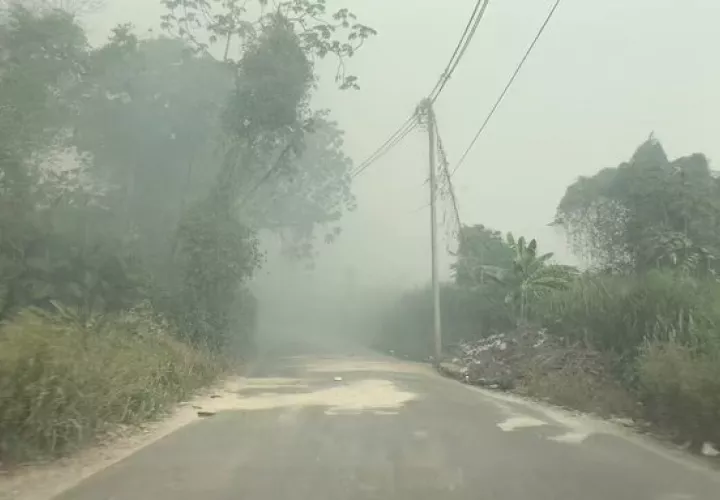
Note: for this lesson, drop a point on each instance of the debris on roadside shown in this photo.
(505, 360)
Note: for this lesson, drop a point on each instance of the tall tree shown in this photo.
(149, 120)
(267, 125)
(53, 243)
(480, 249)
(648, 212)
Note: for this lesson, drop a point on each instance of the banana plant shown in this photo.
(531, 275)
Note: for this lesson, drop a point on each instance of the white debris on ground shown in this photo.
(709, 450)
(497, 361)
(502, 361)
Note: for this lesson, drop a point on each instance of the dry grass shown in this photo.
(579, 388)
(63, 384)
(680, 387)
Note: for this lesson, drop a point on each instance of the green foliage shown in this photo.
(42, 58)
(619, 313)
(216, 254)
(530, 276)
(283, 158)
(480, 248)
(63, 383)
(272, 85)
(321, 33)
(133, 179)
(406, 325)
(311, 191)
(638, 334)
(680, 388)
(150, 122)
(647, 213)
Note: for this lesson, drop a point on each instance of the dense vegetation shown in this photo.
(135, 178)
(649, 301)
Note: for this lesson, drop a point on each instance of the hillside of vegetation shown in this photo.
(637, 334)
(134, 180)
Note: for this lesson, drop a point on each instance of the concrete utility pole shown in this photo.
(437, 329)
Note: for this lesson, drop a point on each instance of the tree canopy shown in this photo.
(646, 213)
(143, 169)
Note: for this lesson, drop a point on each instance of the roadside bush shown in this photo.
(63, 383)
(466, 314)
(680, 388)
(618, 313)
(528, 361)
(584, 382)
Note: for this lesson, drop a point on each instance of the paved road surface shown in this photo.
(391, 430)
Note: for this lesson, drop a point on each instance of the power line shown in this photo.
(411, 122)
(444, 164)
(461, 48)
(507, 87)
(395, 139)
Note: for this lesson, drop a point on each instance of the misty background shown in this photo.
(602, 78)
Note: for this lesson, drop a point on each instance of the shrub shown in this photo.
(62, 383)
(680, 388)
(618, 313)
(583, 382)
(466, 314)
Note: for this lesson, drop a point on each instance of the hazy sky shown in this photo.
(604, 75)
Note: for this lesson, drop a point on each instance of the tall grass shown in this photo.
(619, 313)
(663, 331)
(63, 383)
(657, 334)
(680, 388)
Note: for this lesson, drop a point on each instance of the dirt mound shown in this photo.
(504, 361)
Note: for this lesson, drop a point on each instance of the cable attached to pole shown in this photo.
(409, 125)
(395, 139)
(462, 46)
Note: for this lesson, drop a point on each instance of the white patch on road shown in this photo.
(355, 365)
(578, 426)
(709, 450)
(363, 395)
(514, 423)
(583, 425)
(570, 437)
(381, 397)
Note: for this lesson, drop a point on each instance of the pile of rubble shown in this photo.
(504, 360)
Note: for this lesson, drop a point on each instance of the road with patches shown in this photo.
(334, 427)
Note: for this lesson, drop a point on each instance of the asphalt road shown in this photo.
(392, 430)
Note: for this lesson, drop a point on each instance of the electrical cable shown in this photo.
(404, 129)
(462, 46)
(507, 87)
(389, 144)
